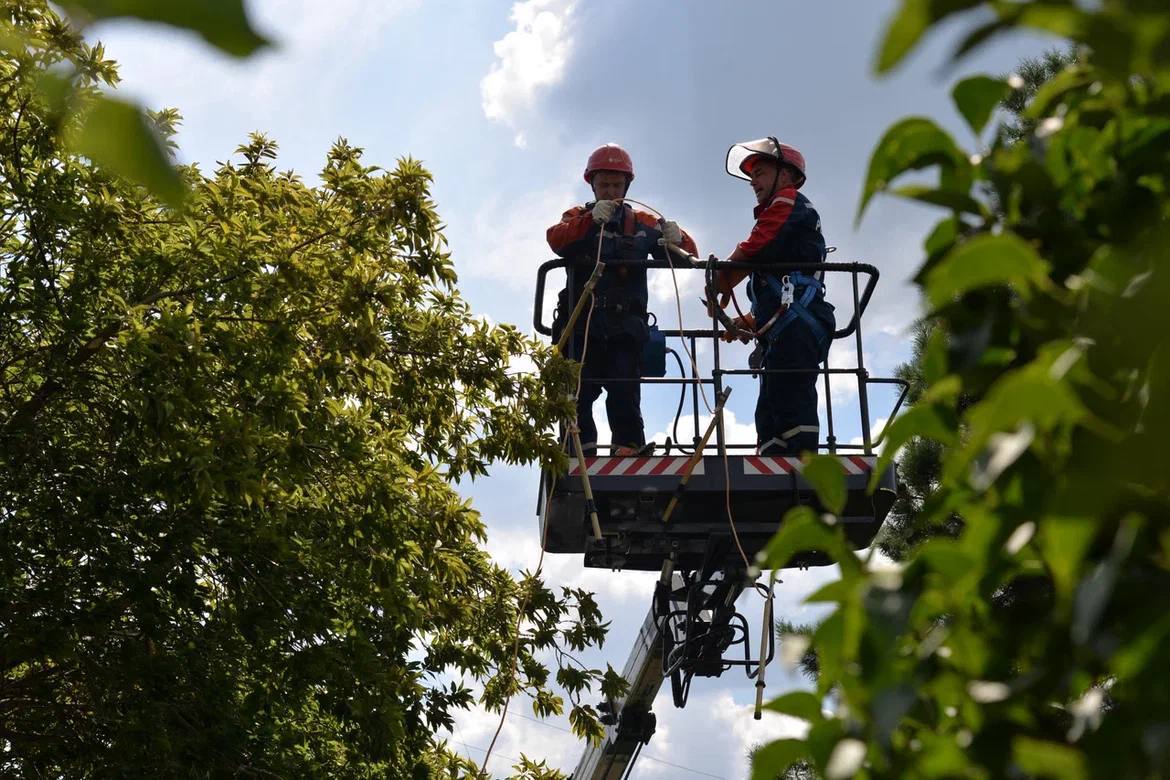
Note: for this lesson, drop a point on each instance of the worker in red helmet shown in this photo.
(792, 322)
(618, 329)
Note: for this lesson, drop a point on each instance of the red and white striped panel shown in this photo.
(661, 466)
(857, 464)
(770, 464)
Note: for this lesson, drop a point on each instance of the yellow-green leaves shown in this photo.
(222, 23)
(230, 441)
(117, 136)
(913, 144)
(986, 260)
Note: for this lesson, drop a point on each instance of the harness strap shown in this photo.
(797, 309)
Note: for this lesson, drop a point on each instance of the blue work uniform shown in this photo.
(618, 329)
(787, 229)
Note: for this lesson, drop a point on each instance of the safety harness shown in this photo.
(793, 306)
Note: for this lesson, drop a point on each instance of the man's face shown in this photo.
(609, 185)
(765, 172)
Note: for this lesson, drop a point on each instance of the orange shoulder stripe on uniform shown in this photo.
(574, 226)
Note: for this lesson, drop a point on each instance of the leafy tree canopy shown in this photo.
(229, 542)
(1032, 643)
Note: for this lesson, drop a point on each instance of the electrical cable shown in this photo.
(647, 757)
(682, 397)
(569, 428)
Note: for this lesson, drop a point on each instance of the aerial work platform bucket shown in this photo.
(729, 492)
(632, 494)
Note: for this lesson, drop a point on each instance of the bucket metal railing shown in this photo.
(860, 295)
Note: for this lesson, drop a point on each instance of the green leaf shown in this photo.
(1132, 659)
(222, 23)
(799, 704)
(1030, 396)
(947, 557)
(934, 358)
(977, 97)
(1061, 19)
(1048, 759)
(924, 420)
(117, 136)
(984, 261)
(942, 238)
(827, 476)
(773, 760)
(911, 144)
(1043, 102)
(955, 201)
(910, 23)
(1063, 542)
(802, 531)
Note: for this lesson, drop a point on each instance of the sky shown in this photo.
(503, 101)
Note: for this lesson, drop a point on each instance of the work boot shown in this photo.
(634, 452)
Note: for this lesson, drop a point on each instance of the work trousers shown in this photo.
(787, 422)
(614, 365)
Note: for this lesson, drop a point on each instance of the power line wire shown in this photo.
(642, 755)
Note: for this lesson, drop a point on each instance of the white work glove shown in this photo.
(671, 232)
(603, 210)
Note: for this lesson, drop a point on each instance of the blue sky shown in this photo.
(503, 101)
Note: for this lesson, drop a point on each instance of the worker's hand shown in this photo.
(745, 327)
(603, 210)
(724, 299)
(671, 232)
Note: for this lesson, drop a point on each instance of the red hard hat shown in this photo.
(741, 157)
(609, 157)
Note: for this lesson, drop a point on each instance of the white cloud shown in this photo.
(734, 431)
(749, 732)
(538, 740)
(530, 58)
(875, 429)
(666, 304)
(519, 549)
(513, 239)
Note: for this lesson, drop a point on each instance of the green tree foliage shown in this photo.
(1035, 642)
(1033, 73)
(920, 459)
(229, 542)
(112, 132)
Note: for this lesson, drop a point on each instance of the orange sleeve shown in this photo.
(574, 226)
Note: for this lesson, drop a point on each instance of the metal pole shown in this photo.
(590, 506)
(862, 390)
(696, 456)
(764, 634)
(586, 295)
(717, 375)
(695, 389)
(832, 439)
